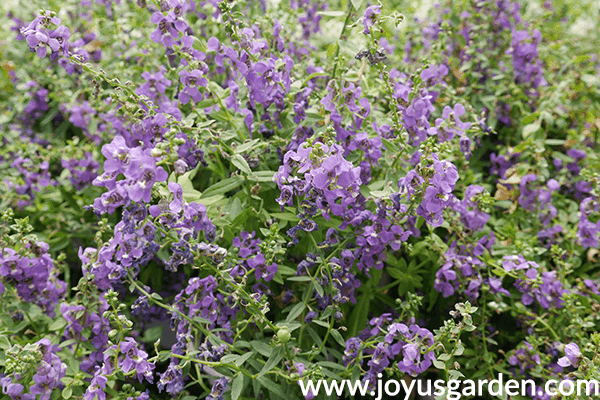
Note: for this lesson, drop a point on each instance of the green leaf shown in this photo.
(330, 364)
(236, 386)
(290, 325)
(262, 348)
(285, 216)
(67, 392)
(272, 362)
(241, 164)
(58, 324)
(554, 142)
(358, 318)
(263, 176)
(299, 278)
(246, 146)
(389, 146)
(531, 128)
(338, 337)
(319, 288)
(332, 13)
(153, 334)
(229, 358)
(4, 343)
(271, 386)
(590, 80)
(156, 296)
(439, 242)
(332, 49)
(223, 186)
(295, 312)
(240, 361)
(409, 276)
(357, 4)
(530, 118)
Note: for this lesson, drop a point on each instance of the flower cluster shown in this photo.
(323, 178)
(33, 176)
(545, 287)
(400, 340)
(128, 358)
(49, 370)
(33, 275)
(83, 171)
(139, 169)
(40, 37)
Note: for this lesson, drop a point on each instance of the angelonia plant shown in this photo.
(224, 199)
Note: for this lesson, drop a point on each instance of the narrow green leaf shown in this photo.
(236, 386)
(332, 49)
(338, 337)
(262, 348)
(156, 296)
(271, 386)
(240, 361)
(229, 358)
(241, 164)
(296, 311)
(319, 288)
(332, 13)
(263, 176)
(223, 186)
(358, 318)
(272, 362)
(246, 146)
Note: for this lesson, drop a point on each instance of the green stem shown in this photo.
(337, 51)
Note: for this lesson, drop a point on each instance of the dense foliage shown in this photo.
(206, 199)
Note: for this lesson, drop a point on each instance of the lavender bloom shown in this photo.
(262, 271)
(526, 358)
(471, 216)
(218, 389)
(156, 84)
(33, 275)
(171, 380)
(165, 32)
(310, 316)
(40, 38)
(190, 81)
(587, 230)
(83, 172)
(369, 18)
(572, 355)
(15, 390)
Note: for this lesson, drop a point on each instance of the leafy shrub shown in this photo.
(222, 199)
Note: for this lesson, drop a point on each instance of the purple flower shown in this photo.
(171, 379)
(165, 33)
(96, 388)
(190, 81)
(218, 389)
(266, 272)
(370, 17)
(40, 38)
(15, 391)
(572, 355)
(310, 316)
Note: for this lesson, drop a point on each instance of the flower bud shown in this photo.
(284, 335)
